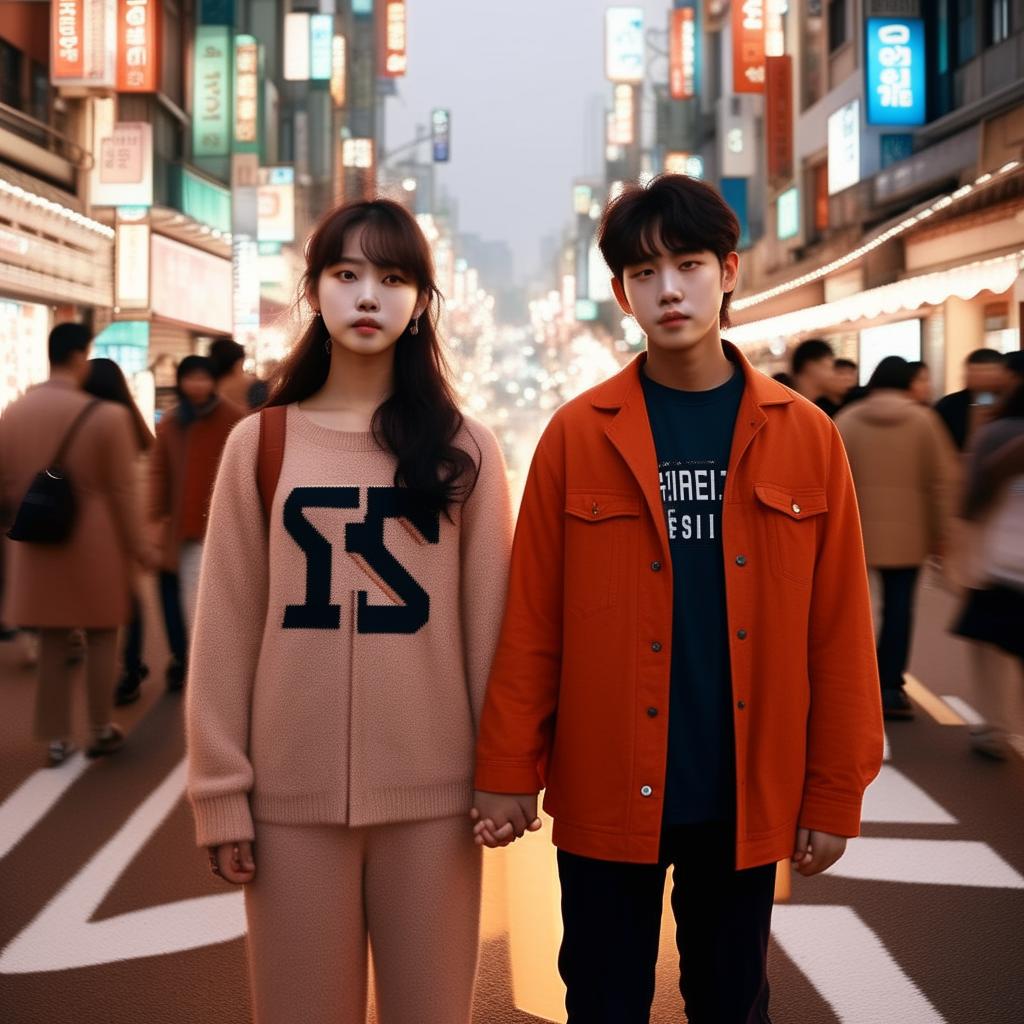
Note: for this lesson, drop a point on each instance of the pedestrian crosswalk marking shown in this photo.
(33, 800)
(850, 966)
(933, 704)
(964, 710)
(892, 797)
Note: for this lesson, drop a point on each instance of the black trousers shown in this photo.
(611, 912)
(174, 619)
(899, 587)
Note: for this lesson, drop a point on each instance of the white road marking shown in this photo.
(886, 749)
(892, 797)
(62, 937)
(963, 709)
(33, 799)
(849, 966)
(926, 862)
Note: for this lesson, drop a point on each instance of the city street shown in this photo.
(108, 913)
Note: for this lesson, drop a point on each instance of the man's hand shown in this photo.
(816, 851)
(502, 818)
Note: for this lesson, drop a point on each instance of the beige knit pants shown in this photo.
(320, 892)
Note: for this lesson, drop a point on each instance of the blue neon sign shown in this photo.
(895, 71)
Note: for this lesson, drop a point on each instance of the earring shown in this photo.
(414, 326)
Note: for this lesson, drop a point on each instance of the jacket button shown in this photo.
(655, 566)
(741, 704)
(656, 647)
(646, 791)
(742, 634)
(741, 560)
(596, 510)
(652, 712)
(796, 508)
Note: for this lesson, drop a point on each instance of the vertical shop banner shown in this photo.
(787, 214)
(622, 118)
(844, 148)
(125, 163)
(138, 55)
(339, 70)
(393, 40)
(321, 37)
(775, 27)
(84, 43)
(297, 33)
(441, 135)
(895, 71)
(779, 116)
(734, 192)
(624, 44)
(737, 138)
(131, 282)
(684, 51)
(247, 113)
(277, 204)
(211, 115)
(748, 42)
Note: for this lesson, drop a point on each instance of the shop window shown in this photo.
(997, 26)
(10, 74)
(837, 34)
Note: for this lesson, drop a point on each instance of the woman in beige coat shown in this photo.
(84, 582)
(904, 469)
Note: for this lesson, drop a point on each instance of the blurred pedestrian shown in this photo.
(921, 388)
(846, 386)
(189, 441)
(904, 471)
(986, 382)
(783, 378)
(814, 373)
(84, 581)
(245, 390)
(993, 612)
(106, 380)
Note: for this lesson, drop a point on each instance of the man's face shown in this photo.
(845, 380)
(676, 297)
(820, 375)
(197, 387)
(988, 378)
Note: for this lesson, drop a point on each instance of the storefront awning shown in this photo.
(994, 275)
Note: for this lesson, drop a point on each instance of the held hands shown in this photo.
(501, 818)
(233, 862)
(816, 851)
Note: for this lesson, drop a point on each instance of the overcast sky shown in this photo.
(524, 80)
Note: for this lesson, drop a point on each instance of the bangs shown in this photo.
(647, 239)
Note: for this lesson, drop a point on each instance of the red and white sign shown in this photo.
(778, 117)
(683, 53)
(748, 41)
(395, 55)
(137, 52)
(621, 120)
(83, 43)
(67, 59)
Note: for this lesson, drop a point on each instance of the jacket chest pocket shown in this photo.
(600, 533)
(791, 517)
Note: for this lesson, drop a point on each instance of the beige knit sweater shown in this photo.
(339, 664)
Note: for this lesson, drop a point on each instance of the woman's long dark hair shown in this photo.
(419, 421)
(106, 380)
(893, 373)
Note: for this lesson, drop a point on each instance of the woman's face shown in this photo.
(921, 387)
(366, 307)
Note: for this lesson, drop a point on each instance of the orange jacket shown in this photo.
(579, 691)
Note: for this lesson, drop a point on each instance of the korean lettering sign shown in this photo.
(895, 71)
(211, 117)
(137, 55)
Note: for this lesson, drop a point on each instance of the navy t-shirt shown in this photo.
(693, 438)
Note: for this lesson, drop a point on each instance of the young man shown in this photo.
(814, 373)
(986, 382)
(686, 662)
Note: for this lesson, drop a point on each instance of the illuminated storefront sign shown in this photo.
(395, 57)
(137, 53)
(247, 96)
(211, 115)
(321, 38)
(339, 70)
(624, 44)
(125, 165)
(357, 153)
(296, 47)
(778, 118)
(895, 71)
(844, 148)
(748, 45)
(774, 31)
(131, 286)
(190, 286)
(84, 43)
(684, 163)
(441, 135)
(277, 204)
(620, 124)
(683, 43)
(787, 209)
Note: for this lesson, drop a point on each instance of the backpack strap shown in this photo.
(58, 459)
(273, 423)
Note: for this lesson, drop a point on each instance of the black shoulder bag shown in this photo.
(46, 514)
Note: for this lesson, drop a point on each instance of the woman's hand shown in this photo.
(233, 862)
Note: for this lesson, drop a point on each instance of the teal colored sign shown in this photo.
(362, 6)
(205, 202)
(126, 342)
(788, 213)
(211, 113)
(321, 38)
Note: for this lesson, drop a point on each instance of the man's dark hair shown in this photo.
(892, 372)
(225, 354)
(66, 340)
(1014, 362)
(193, 364)
(810, 351)
(980, 356)
(783, 378)
(916, 366)
(674, 213)
(845, 364)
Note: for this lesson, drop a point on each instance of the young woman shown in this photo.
(106, 380)
(346, 621)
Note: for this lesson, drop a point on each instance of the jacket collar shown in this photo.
(615, 392)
